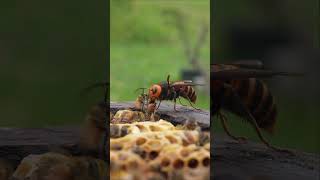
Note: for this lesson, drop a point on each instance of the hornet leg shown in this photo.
(252, 120)
(174, 100)
(255, 125)
(223, 120)
(181, 102)
(158, 105)
(191, 104)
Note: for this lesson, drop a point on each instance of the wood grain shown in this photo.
(231, 160)
(254, 161)
(167, 112)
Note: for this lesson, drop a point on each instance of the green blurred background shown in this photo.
(284, 35)
(145, 47)
(49, 52)
(146, 44)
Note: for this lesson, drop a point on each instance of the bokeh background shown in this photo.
(284, 35)
(49, 52)
(151, 39)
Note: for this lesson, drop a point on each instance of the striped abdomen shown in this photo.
(188, 92)
(95, 127)
(257, 98)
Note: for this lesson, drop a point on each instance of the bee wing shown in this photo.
(232, 71)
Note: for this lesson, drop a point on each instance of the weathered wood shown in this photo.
(167, 112)
(251, 160)
(17, 143)
(231, 160)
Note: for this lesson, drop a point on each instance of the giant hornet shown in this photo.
(96, 127)
(234, 88)
(167, 91)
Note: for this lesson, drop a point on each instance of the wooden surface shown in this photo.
(17, 143)
(253, 161)
(231, 160)
(167, 112)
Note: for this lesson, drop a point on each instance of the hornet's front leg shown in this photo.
(158, 105)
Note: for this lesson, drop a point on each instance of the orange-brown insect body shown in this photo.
(171, 91)
(178, 89)
(256, 97)
(234, 87)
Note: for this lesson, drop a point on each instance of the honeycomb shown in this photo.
(120, 130)
(127, 116)
(141, 149)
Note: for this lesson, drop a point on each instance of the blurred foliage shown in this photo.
(249, 29)
(147, 65)
(142, 21)
(293, 15)
(49, 52)
(145, 44)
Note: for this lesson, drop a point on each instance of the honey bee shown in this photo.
(148, 107)
(171, 91)
(141, 100)
(235, 88)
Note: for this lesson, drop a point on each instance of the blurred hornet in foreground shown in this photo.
(95, 129)
(234, 88)
(167, 91)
